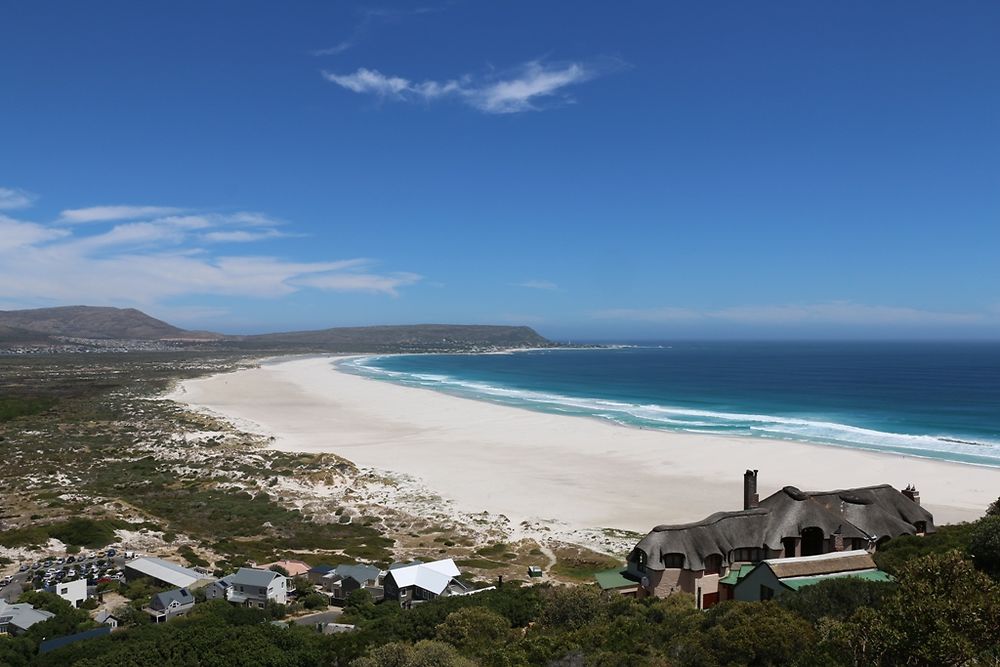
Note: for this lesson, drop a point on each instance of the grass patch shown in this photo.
(14, 407)
(480, 563)
(581, 565)
(75, 532)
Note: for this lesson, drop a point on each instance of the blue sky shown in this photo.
(595, 170)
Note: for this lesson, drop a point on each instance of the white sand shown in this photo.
(577, 472)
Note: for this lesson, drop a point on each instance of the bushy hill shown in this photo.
(92, 322)
(437, 336)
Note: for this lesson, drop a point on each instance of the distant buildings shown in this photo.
(250, 587)
(165, 573)
(694, 557)
(15, 619)
(418, 582)
(170, 604)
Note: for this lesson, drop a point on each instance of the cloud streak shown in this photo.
(533, 86)
(11, 198)
(112, 213)
(837, 313)
(150, 255)
(539, 285)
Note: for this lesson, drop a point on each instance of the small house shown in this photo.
(418, 582)
(251, 587)
(170, 604)
(775, 577)
(15, 619)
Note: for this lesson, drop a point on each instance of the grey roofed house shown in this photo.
(178, 596)
(362, 574)
(248, 576)
(16, 618)
(880, 511)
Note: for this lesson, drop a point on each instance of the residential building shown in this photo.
(775, 577)
(693, 557)
(165, 573)
(15, 619)
(294, 568)
(416, 582)
(169, 604)
(345, 579)
(251, 587)
(74, 592)
(108, 618)
(315, 574)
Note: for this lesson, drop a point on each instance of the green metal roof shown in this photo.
(612, 579)
(734, 576)
(795, 583)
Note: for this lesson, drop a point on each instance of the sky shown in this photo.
(621, 170)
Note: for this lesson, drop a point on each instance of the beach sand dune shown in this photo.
(576, 472)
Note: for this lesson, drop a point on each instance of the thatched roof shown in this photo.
(865, 513)
(813, 566)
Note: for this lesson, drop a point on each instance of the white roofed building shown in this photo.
(416, 581)
(165, 573)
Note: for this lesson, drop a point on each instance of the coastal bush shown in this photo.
(315, 601)
(984, 545)
(836, 598)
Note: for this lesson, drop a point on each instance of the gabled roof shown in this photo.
(322, 569)
(359, 573)
(249, 576)
(164, 570)
(161, 601)
(433, 577)
(103, 616)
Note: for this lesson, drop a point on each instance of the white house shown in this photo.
(74, 592)
(250, 587)
(418, 581)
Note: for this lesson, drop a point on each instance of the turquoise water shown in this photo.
(937, 400)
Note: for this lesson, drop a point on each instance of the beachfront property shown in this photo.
(170, 604)
(776, 576)
(343, 580)
(692, 558)
(15, 619)
(165, 573)
(415, 582)
(108, 618)
(251, 587)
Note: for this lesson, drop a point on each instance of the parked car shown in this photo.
(112, 553)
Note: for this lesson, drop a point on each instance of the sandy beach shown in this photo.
(570, 472)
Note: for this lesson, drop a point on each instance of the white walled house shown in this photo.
(250, 587)
(74, 592)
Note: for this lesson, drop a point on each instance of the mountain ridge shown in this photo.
(52, 325)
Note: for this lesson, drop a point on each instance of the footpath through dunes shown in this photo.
(574, 472)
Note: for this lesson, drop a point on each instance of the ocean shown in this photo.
(935, 400)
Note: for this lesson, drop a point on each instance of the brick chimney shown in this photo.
(750, 497)
(911, 492)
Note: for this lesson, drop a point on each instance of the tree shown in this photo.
(315, 601)
(571, 607)
(426, 653)
(757, 633)
(836, 598)
(984, 544)
(944, 612)
(994, 508)
(474, 630)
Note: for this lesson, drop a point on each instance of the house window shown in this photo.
(673, 560)
(713, 564)
(748, 555)
(766, 592)
(921, 527)
(640, 560)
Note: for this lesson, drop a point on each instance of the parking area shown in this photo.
(94, 566)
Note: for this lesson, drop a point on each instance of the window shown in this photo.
(921, 527)
(766, 592)
(673, 560)
(639, 556)
(748, 555)
(713, 564)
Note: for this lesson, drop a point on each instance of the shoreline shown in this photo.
(548, 472)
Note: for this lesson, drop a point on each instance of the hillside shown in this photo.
(93, 322)
(52, 326)
(410, 337)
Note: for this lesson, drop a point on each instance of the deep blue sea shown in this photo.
(937, 400)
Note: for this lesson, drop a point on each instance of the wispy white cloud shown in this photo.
(526, 88)
(367, 17)
(147, 258)
(539, 284)
(11, 198)
(830, 313)
(112, 213)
